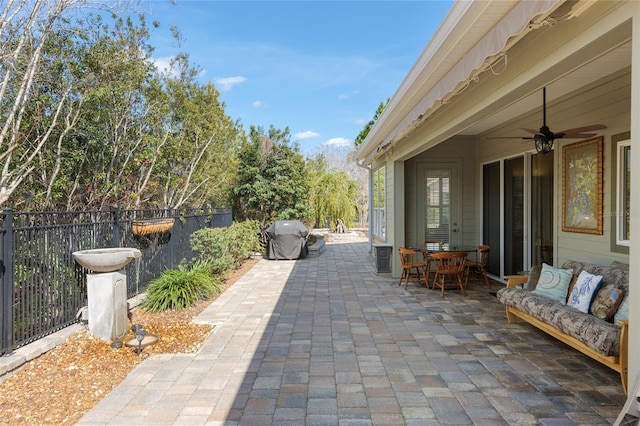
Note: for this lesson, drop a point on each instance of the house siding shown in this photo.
(461, 152)
(608, 101)
(613, 100)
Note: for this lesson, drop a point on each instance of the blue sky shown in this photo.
(318, 67)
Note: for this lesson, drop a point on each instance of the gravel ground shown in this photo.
(60, 386)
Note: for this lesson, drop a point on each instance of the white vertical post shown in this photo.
(634, 249)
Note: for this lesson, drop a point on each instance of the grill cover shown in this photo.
(287, 240)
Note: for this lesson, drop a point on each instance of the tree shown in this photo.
(333, 193)
(120, 124)
(367, 127)
(200, 159)
(272, 182)
(29, 32)
(360, 175)
(127, 135)
(343, 159)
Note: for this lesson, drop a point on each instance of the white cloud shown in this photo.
(338, 142)
(282, 64)
(343, 96)
(305, 135)
(361, 121)
(163, 64)
(225, 84)
(256, 104)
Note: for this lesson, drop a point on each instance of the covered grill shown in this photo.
(287, 240)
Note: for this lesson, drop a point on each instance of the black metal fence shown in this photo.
(43, 288)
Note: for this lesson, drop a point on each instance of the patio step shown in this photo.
(349, 236)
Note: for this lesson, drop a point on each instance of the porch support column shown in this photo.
(634, 249)
(395, 211)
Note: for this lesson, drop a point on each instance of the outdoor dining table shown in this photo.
(426, 252)
(464, 249)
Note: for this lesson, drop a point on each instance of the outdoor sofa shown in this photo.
(574, 305)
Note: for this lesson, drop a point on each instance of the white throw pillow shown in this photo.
(583, 291)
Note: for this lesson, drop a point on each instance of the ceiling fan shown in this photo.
(544, 137)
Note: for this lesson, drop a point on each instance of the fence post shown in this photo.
(172, 238)
(6, 316)
(229, 216)
(116, 227)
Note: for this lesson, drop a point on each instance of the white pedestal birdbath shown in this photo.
(107, 289)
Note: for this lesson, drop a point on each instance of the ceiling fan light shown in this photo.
(543, 145)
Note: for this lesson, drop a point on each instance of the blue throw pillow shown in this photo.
(623, 311)
(583, 291)
(554, 283)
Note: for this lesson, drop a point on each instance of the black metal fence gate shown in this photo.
(43, 288)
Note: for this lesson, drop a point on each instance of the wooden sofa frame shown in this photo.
(617, 363)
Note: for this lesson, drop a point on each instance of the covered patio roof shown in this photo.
(475, 40)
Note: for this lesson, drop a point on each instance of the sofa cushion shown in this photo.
(598, 334)
(602, 336)
(617, 276)
(619, 265)
(606, 301)
(553, 283)
(575, 265)
(541, 307)
(584, 290)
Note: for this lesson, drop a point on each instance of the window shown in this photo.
(623, 185)
(438, 206)
(377, 216)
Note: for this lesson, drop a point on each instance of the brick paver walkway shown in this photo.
(327, 341)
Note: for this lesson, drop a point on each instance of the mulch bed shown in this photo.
(63, 384)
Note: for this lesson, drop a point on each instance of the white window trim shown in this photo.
(378, 212)
(620, 212)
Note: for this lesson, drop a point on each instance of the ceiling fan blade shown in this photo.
(579, 136)
(579, 130)
(512, 137)
(545, 134)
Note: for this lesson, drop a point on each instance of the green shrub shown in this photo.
(226, 248)
(179, 288)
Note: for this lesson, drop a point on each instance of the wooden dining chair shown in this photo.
(409, 262)
(449, 265)
(478, 268)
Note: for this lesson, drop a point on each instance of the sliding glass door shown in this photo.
(514, 215)
(542, 209)
(491, 217)
(517, 212)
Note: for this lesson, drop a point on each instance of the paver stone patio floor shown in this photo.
(327, 341)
